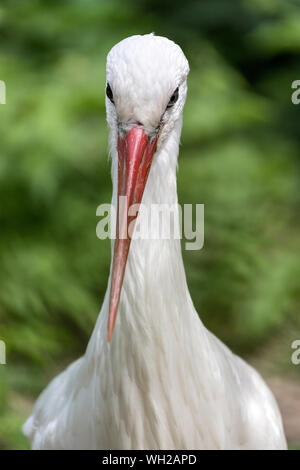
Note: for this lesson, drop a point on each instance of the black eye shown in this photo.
(173, 98)
(109, 93)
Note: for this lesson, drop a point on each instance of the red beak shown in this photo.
(135, 154)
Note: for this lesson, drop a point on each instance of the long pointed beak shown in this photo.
(135, 154)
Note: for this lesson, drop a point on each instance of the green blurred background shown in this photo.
(239, 156)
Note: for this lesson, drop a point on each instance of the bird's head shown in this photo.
(145, 93)
(145, 85)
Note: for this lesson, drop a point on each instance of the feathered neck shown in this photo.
(154, 288)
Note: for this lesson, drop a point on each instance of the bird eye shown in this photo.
(109, 93)
(173, 98)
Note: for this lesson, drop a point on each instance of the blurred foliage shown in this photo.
(240, 157)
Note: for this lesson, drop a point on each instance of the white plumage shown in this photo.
(164, 381)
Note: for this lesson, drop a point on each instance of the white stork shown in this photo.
(162, 381)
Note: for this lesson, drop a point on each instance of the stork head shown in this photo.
(145, 94)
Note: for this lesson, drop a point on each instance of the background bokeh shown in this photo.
(239, 156)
